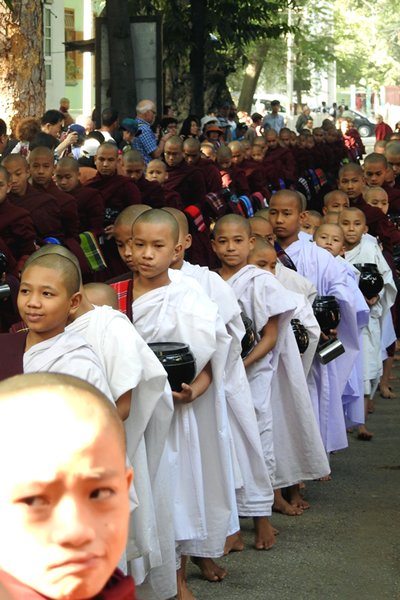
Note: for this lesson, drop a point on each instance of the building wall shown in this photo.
(53, 17)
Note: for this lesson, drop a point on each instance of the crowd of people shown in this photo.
(231, 290)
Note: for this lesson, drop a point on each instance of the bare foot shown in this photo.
(233, 543)
(364, 435)
(282, 506)
(265, 536)
(302, 485)
(296, 499)
(386, 392)
(370, 406)
(325, 478)
(209, 568)
(183, 592)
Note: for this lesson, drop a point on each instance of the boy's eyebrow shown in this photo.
(90, 474)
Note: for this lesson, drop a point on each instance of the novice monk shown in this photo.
(101, 294)
(375, 171)
(192, 155)
(298, 447)
(172, 311)
(335, 201)
(187, 180)
(157, 172)
(358, 250)
(330, 278)
(254, 494)
(16, 225)
(45, 213)
(311, 219)
(48, 295)
(133, 166)
(76, 536)
(264, 301)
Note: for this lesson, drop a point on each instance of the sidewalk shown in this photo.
(347, 546)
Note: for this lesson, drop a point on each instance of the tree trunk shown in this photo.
(22, 76)
(251, 77)
(122, 72)
(198, 9)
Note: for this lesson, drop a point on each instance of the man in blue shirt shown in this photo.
(274, 120)
(147, 143)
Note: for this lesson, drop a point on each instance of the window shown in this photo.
(47, 41)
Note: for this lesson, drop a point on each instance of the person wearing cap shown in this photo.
(147, 142)
(130, 130)
(274, 120)
(214, 134)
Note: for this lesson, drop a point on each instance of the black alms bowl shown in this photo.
(327, 312)
(371, 281)
(177, 360)
(249, 338)
(301, 335)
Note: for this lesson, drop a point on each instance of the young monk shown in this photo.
(298, 447)
(361, 250)
(192, 155)
(133, 166)
(329, 278)
(101, 294)
(310, 220)
(335, 201)
(375, 171)
(157, 172)
(164, 310)
(73, 552)
(16, 225)
(187, 180)
(48, 295)
(254, 494)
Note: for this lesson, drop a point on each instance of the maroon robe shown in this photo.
(278, 164)
(378, 225)
(211, 174)
(118, 191)
(152, 192)
(173, 199)
(394, 199)
(12, 354)
(8, 306)
(68, 208)
(118, 587)
(235, 179)
(17, 229)
(189, 182)
(45, 213)
(255, 175)
(382, 130)
(90, 209)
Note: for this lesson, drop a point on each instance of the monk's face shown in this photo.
(262, 228)
(232, 244)
(19, 174)
(319, 135)
(330, 237)
(134, 170)
(336, 203)
(265, 259)
(374, 173)
(67, 179)
(44, 302)
(106, 161)
(393, 161)
(4, 186)
(173, 154)
(284, 216)
(42, 168)
(156, 172)
(351, 183)
(271, 139)
(257, 153)
(379, 199)
(353, 225)
(284, 138)
(153, 251)
(207, 151)
(309, 223)
(123, 239)
(191, 155)
(237, 156)
(64, 504)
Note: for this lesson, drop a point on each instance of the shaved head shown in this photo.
(157, 216)
(351, 168)
(67, 267)
(55, 249)
(133, 156)
(157, 163)
(232, 219)
(191, 144)
(284, 194)
(40, 151)
(69, 163)
(101, 294)
(15, 159)
(180, 217)
(107, 146)
(236, 146)
(375, 157)
(175, 140)
(392, 148)
(352, 210)
(128, 216)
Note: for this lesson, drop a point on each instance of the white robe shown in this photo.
(368, 252)
(70, 354)
(327, 382)
(261, 297)
(129, 364)
(254, 492)
(199, 438)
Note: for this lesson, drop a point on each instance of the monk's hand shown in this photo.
(371, 301)
(333, 333)
(185, 396)
(109, 231)
(324, 337)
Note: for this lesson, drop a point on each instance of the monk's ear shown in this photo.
(252, 242)
(177, 250)
(188, 241)
(75, 303)
(302, 215)
(324, 210)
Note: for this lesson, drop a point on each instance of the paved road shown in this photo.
(347, 546)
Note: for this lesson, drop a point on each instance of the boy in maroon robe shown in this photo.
(252, 170)
(133, 166)
(44, 211)
(382, 129)
(68, 509)
(375, 168)
(278, 161)
(185, 179)
(16, 226)
(193, 157)
(156, 172)
(233, 177)
(90, 202)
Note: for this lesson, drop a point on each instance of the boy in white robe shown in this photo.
(358, 251)
(326, 382)
(199, 439)
(298, 446)
(254, 494)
